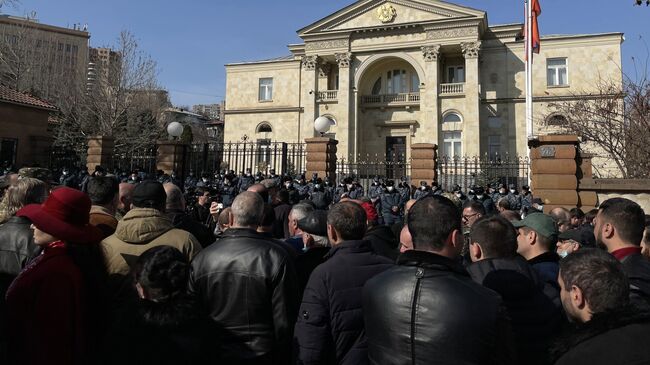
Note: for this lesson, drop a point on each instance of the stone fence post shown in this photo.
(171, 157)
(423, 163)
(100, 152)
(321, 157)
(554, 170)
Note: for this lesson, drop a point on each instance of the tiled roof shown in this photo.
(16, 97)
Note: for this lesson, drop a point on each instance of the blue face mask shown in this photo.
(563, 254)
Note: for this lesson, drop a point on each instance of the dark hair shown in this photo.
(626, 216)
(348, 219)
(577, 213)
(504, 203)
(476, 206)
(431, 220)
(590, 215)
(600, 277)
(163, 273)
(496, 235)
(548, 243)
(102, 189)
(268, 216)
(283, 196)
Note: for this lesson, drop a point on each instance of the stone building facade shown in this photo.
(393, 73)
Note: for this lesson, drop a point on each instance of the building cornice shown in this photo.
(549, 98)
(281, 109)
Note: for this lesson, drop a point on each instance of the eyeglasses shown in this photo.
(468, 217)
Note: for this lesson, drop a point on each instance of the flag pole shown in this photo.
(529, 69)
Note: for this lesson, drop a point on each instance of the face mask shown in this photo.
(423, 188)
(205, 179)
(65, 172)
(513, 191)
(480, 196)
(317, 186)
(349, 186)
(288, 185)
(563, 254)
(248, 175)
(390, 188)
(502, 192)
(458, 195)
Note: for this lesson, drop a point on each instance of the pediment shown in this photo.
(378, 13)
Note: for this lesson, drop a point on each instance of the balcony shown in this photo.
(327, 96)
(403, 99)
(452, 89)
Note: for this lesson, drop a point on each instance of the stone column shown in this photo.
(321, 157)
(554, 170)
(171, 157)
(429, 124)
(471, 115)
(100, 152)
(423, 163)
(309, 90)
(586, 199)
(346, 128)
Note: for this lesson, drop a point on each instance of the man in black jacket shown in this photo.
(496, 265)
(330, 326)
(175, 211)
(426, 309)
(595, 295)
(247, 285)
(619, 227)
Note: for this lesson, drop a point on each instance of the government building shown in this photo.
(389, 74)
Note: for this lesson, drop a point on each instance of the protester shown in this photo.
(55, 305)
(103, 193)
(570, 241)
(124, 200)
(201, 210)
(298, 212)
(562, 218)
(381, 237)
(619, 227)
(496, 265)
(537, 235)
(163, 325)
(282, 209)
(645, 243)
(317, 245)
(223, 223)
(595, 295)
(247, 285)
(426, 309)
(330, 327)
(175, 211)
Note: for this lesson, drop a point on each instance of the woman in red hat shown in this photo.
(53, 304)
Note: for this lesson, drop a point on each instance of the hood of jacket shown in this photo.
(511, 277)
(141, 225)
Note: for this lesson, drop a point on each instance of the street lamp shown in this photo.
(175, 129)
(322, 125)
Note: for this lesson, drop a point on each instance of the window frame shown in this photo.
(448, 137)
(456, 68)
(268, 90)
(557, 73)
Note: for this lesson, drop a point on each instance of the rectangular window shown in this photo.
(494, 146)
(415, 83)
(451, 144)
(396, 81)
(557, 72)
(266, 89)
(455, 74)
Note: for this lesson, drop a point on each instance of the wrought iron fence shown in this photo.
(366, 168)
(142, 159)
(238, 156)
(60, 158)
(469, 171)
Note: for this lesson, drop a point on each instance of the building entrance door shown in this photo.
(8, 151)
(395, 157)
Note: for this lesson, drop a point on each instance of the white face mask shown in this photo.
(563, 254)
(317, 186)
(458, 195)
(205, 179)
(349, 186)
(390, 188)
(288, 185)
(513, 191)
(480, 196)
(423, 188)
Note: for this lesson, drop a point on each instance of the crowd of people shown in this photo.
(253, 269)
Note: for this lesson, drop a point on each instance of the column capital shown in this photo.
(309, 62)
(343, 59)
(470, 49)
(431, 53)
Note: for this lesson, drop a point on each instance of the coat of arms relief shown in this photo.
(386, 13)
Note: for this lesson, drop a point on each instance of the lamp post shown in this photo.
(322, 125)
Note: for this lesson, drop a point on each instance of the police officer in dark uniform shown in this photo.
(288, 185)
(68, 179)
(436, 189)
(482, 198)
(277, 179)
(312, 182)
(205, 181)
(526, 199)
(391, 204)
(501, 192)
(404, 189)
(458, 191)
(514, 198)
(246, 180)
(318, 196)
(329, 190)
(355, 190)
(303, 188)
(339, 191)
(228, 190)
(423, 190)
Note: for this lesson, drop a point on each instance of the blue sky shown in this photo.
(192, 40)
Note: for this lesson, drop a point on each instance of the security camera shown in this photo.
(311, 92)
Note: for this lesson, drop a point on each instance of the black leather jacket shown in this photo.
(16, 245)
(637, 270)
(248, 287)
(428, 310)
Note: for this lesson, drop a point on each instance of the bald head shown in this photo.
(175, 200)
(409, 204)
(562, 218)
(125, 197)
(261, 190)
(247, 210)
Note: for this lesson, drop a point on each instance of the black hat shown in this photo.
(512, 186)
(479, 190)
(526, 187)
(314, 223)
(390, 183)
(149, 194)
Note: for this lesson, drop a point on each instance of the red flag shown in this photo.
(535, 41)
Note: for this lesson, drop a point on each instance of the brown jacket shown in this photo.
(101, 218)
(138, 231)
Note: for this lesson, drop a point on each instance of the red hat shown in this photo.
(371, 212)
(64, 215)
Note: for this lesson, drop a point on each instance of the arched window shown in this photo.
(264, 128)
(376, 88)
(452, 117)
(557, 120)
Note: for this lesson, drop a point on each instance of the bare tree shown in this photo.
(11, 3)
(614, 120)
